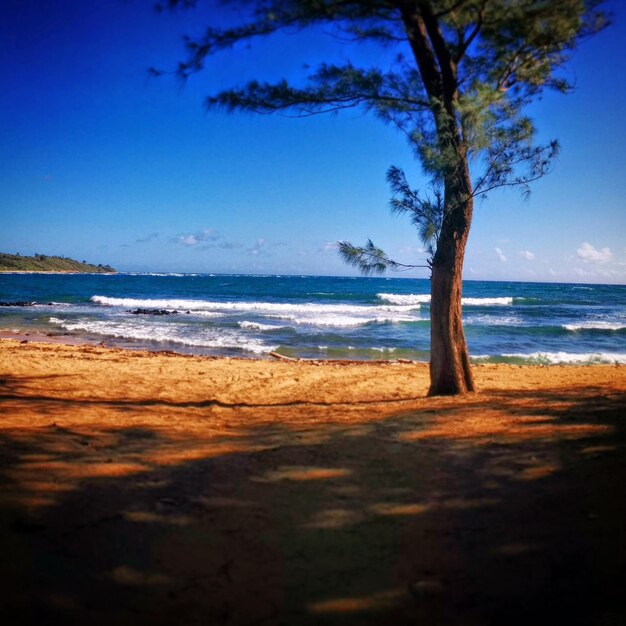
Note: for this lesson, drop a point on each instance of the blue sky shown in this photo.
(100, 163)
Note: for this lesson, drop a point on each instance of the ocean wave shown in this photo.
(403, 299)
(349, 351)
(494, 320)
(206, 313)
(367, 353)
(377, 350)
(528, 300)
(298, 314)
(244, 307)
(557, 358)
(504, 301)
(166, 274)
(167, 333)
(595, 326)
(345, 321)
(259, 326)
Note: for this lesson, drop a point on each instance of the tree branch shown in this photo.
(466, 43)
(331, 89)
(447, 66)
(422, 51)
(371, 260)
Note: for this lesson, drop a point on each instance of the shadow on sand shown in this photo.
(506, 509)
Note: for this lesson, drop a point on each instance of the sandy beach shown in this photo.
(156, 488)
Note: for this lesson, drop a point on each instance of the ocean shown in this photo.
(317, 317)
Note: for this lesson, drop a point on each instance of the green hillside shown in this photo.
(45, 263)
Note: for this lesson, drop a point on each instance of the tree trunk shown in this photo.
(450, 372)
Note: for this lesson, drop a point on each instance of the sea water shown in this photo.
(319, 317)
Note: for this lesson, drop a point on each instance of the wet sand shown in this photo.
(152, 488)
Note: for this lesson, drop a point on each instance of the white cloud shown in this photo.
(257, 247)
(527, 254)
(584, 273)
(589, 254)
(413, 250)
(193, 239)
(501, 255)
(188, 240)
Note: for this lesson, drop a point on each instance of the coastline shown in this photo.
(318, 317)
(33, 336)
(88, 369)
(36, 336)
(55, 272)
(158, 487)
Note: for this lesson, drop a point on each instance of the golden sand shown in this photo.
(157, 488)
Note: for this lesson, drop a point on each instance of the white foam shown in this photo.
(381, 349)
(167, 333)
(345, 321)
(147, 303)
(595, 326)
(397, 298)
(177, 274)
(505, 301)
(262, 307)
(204, 313)
(362, 349)
(568, 358)
(493, 320)
(404, 299)
(258, 326)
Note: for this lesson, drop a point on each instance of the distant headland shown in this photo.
(42, 263)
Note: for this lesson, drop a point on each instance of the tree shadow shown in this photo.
(499, 508)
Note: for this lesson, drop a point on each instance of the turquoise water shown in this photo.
(319, 317)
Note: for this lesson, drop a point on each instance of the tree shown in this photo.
(463, 73)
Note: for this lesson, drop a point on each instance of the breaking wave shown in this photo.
(313, 314)
(159, 332)
(402, 299)
(556, 358)
(614, 326)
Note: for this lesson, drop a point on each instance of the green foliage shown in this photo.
(43, 263)
(426, 213)
(462, 73)
(369, 259)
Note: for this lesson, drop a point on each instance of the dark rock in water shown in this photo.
(152, 312)
(18, 303)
